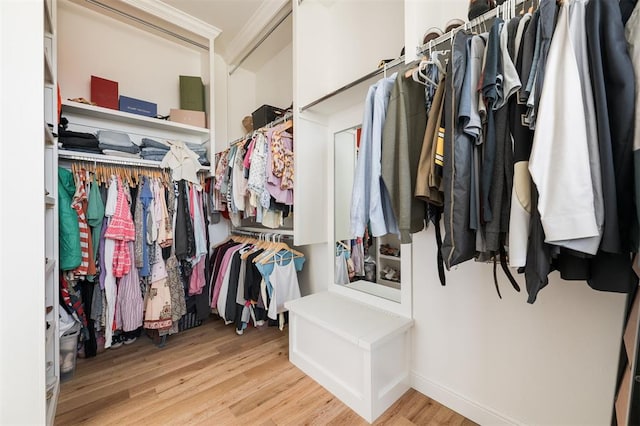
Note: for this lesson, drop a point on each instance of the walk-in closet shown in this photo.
(320, 212)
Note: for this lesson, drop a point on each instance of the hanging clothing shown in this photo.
(130, 305)
(185, 245)
(158, 302)
(459, 241)
(70, 252)
(87, 265)
(428, 181)
(382, 219)
(559, 162)
(361, 193)
(110, 288)
(285, 288)
(632, 34)
(122, 230)
(401, 144)
(95, 215)
(182, 161)
(341, 274)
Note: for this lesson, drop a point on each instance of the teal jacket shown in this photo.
(70, 254)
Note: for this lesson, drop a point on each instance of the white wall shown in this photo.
(241, 101)
(550, 363)
(315, 276)
(493, 360)
(97, 45)
(339, 41)
(220, 94)
(22, 326)
(274, 81)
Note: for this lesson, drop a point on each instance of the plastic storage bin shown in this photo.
(68, 352)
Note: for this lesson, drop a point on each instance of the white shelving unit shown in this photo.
(384, 261)
(185, 47)
(50, 308)
(64, 154)
(126, 118)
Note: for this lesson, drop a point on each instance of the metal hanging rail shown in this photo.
(256, 233)
(259, 42)
(505, 8)
(148, 24)
(386, 67)
(508, 6)
(274, 123)
(111, 159)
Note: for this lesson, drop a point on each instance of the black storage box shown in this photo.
(265, 115)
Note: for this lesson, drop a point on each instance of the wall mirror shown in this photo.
(372, 265)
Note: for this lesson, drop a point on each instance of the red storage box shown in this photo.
(104, 92)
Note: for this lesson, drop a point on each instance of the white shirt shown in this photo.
(383, 220)
(362, 179)
(559, 162)
(182, 161)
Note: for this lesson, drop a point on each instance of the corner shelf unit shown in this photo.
(127, 118)
(64, 154)
(50, 190)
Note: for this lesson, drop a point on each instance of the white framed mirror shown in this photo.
(375, 270)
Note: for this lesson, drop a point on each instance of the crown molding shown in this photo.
(255, 27)
(175, 16)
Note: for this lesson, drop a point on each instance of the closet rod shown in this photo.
(421, 50)
(259, 42)
(256, 232)
(274, 123)
(110, 159)
(387, 66)
(446, 37)
(148, 24)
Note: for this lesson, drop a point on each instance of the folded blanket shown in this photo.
(120, 153)
(133, 149)
(109, 137)
(78, 142)
(154, 157)
(154, 151)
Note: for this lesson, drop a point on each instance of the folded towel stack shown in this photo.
(118, 142)
(77, 141)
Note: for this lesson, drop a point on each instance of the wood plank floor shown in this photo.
(209, 375)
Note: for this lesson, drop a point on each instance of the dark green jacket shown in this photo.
(70, 254)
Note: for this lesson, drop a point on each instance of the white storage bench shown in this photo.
(360, 353)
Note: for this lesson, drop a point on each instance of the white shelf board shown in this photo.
(49, 265)
(49, 201)
(48, 22)
(357, 322)
(126, 117)
(49, 139)
(389, 283)
(387, 257)
(53, 402)
(386, 292)
(48, 70)
(111, 159)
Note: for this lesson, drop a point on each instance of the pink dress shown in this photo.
(121, 229)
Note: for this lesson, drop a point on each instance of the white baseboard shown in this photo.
(472, 410)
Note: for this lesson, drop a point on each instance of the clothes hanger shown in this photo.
(341, 243)
(279, 247)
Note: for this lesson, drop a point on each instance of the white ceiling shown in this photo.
(231, 17)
